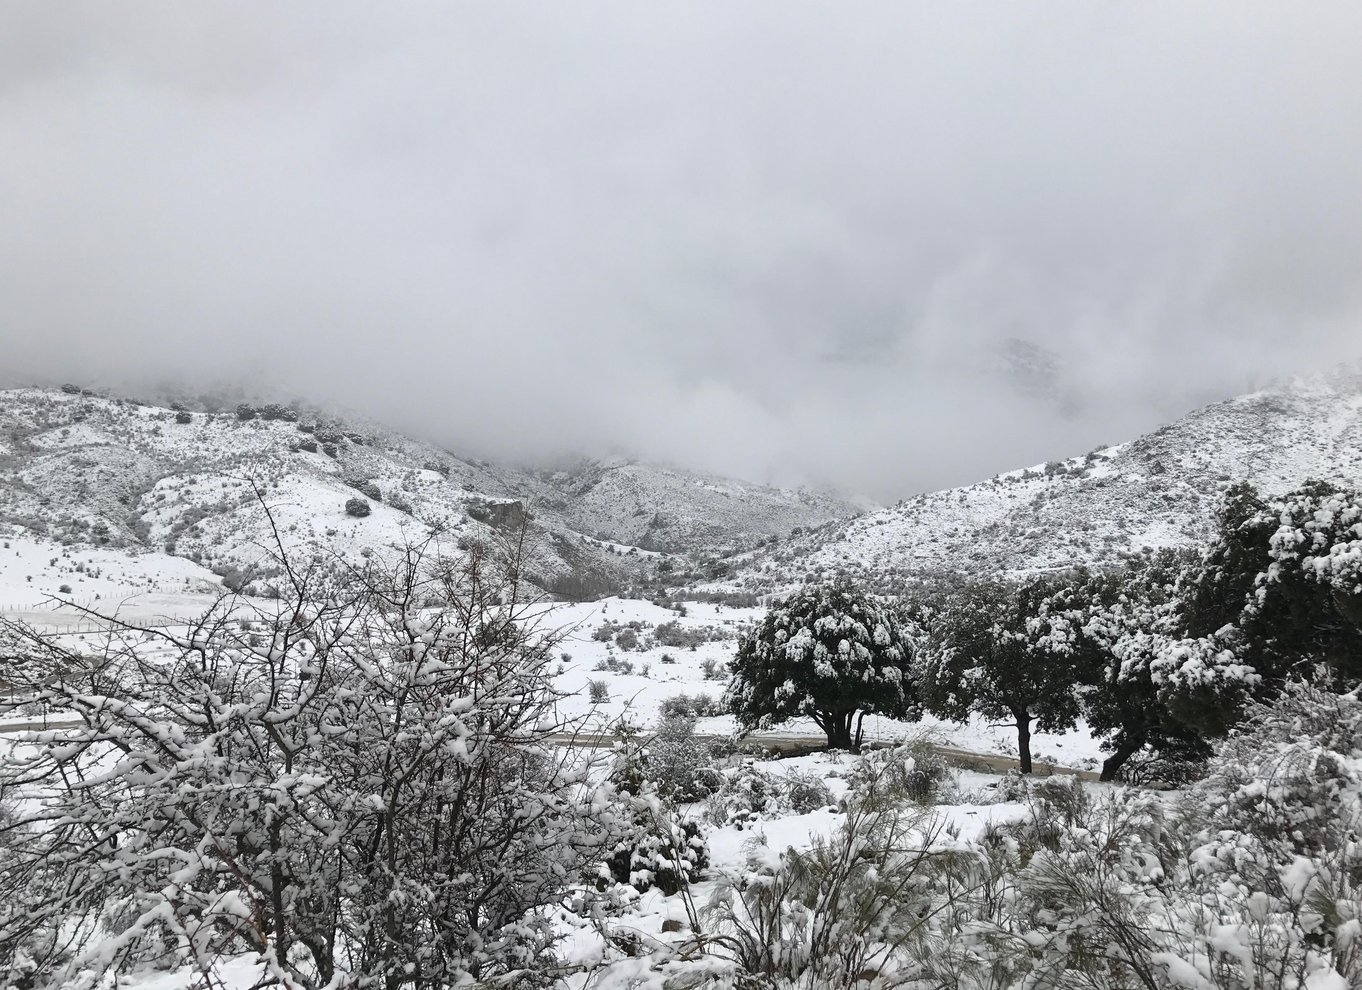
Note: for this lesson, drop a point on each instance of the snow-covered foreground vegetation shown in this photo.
(417, 774)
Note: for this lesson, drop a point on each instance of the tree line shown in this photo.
(1158, 658)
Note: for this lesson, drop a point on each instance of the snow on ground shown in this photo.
(966, 809)
(636, 695)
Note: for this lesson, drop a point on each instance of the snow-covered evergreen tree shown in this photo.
(829, 653)
(997, 650)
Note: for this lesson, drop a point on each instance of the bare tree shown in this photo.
(358, 786)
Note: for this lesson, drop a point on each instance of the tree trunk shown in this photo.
(837, 725)
(1024, 742)
(1113, 763)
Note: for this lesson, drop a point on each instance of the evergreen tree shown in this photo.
(1274, 595)
(829, 653)
(996, 650)
(1121, 621)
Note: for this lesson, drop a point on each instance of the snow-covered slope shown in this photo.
(1157, 491)
(89, 471)
(666, 509)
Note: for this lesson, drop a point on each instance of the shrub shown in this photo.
(598, 692)
(357, 507)
(182, 417)
(677, 706)
(841, 912)
(675, 635)
(807, 791)
(679, 764)
(366, 487)
(914, 771)
(748, 795)
(656, 851)
(706, 707)
(333, 789)
(626, 639)
(245, 411)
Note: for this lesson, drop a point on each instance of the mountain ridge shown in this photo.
(1098, 509)
(89, 470)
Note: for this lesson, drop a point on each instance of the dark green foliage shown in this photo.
(657, 852)
(830, 653)
(1252, 595)
(995, 649)
(357, 507)
(366, 487)
(1115, 621)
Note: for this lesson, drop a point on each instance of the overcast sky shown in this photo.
(884, 246)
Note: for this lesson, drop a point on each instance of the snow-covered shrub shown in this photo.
(679, 764)
(651, 847)
(750, 794)
(686, 706)
(807, 791)
(654, 849)
(369, 796)
(1252, 879)
(677, 706)
(1291, 776)
(914, 771)
(598, 691)
(843, 911)
(674, 634)
(366, 487)
(357, 507)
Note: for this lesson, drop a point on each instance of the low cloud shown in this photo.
(878, 246)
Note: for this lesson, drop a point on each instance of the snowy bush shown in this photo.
(355, 791)
(681, 766)
(655, 849)
(807, 791)
(686, 706)
(914, 771)
(846, 910)
(357, 507)
(747, 795)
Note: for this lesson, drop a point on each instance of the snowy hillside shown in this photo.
(1156, 491)
(79, 472)
(665, 509)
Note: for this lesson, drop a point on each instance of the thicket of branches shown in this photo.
(358, 788)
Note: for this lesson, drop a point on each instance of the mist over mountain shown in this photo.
(800, 245)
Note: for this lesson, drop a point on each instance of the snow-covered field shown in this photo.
(659, 672)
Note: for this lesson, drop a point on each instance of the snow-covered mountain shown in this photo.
(80, 470)
(674, 511)
(1157, 491)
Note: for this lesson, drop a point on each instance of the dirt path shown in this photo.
(962, 759)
